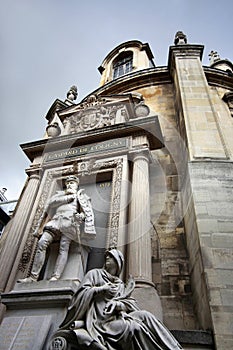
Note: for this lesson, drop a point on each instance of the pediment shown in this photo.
(56, 106)
(97, 112)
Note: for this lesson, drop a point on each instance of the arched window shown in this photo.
(123, 64)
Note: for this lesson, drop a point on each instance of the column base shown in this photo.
(148, 299)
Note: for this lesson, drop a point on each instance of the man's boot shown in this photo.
(27, 279)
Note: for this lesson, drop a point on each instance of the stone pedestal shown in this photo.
(34, 312)
(148, 299)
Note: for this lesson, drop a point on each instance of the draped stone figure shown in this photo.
(104, 316)
(72, 208)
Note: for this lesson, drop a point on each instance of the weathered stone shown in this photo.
(27, 332)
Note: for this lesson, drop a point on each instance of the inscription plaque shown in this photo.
(86, 149)
(24, 333)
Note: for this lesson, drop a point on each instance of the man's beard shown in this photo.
(71, 191)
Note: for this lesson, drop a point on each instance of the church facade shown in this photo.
(152, 148)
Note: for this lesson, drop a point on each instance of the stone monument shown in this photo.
(103, 315)
(142, 165)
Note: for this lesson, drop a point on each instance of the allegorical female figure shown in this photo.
(104, 316)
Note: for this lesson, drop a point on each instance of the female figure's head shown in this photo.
(114, 261)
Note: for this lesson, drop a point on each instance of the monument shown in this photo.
(103, 315)
(141, 168)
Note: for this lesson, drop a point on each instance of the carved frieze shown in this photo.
(95, 113)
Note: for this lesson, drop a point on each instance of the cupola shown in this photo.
(219, 63)
(126, 58)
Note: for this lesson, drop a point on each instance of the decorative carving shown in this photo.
(95, 113)
(115, 210)
(72, 93)
(53, 130)
(91, 167)
(213, 57)
(58, 343)
(92, 119)
(180, 38)
(142, 110)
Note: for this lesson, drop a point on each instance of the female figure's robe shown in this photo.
(126, 327)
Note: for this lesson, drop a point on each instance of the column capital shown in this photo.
(141, 153)
(33, 172)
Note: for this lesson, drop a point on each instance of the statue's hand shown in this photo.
(70, 198)
(109, 290)
(114, 306)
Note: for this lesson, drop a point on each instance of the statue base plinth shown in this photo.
(33, 312)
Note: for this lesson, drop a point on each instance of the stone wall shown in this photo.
(210, 245)
(170, 260)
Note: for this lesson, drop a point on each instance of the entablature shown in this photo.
(149, 126)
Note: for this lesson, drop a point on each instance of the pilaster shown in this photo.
(15, 233)
(197, 118)
(206, 191)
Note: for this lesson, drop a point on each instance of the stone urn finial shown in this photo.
(180, 38)
(72, 93)
(53, 130)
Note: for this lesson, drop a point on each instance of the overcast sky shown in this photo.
(49, 45)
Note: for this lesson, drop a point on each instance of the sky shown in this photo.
(49, 45)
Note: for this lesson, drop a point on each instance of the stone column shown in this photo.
(139, 264)
(139, 239)
(14, 236)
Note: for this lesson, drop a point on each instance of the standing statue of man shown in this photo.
(104, 316)
(72, 207)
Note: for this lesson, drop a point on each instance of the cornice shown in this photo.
(218, 77)
(184, 51)
(149, 125)
(158, 76)
(134, 81)
(56, 106)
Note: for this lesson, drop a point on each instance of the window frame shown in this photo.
(122, 64)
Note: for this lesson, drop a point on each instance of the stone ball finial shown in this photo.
(180, 38)
(72, 93)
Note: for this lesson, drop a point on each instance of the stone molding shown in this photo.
(149, 125)
(184, 51)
